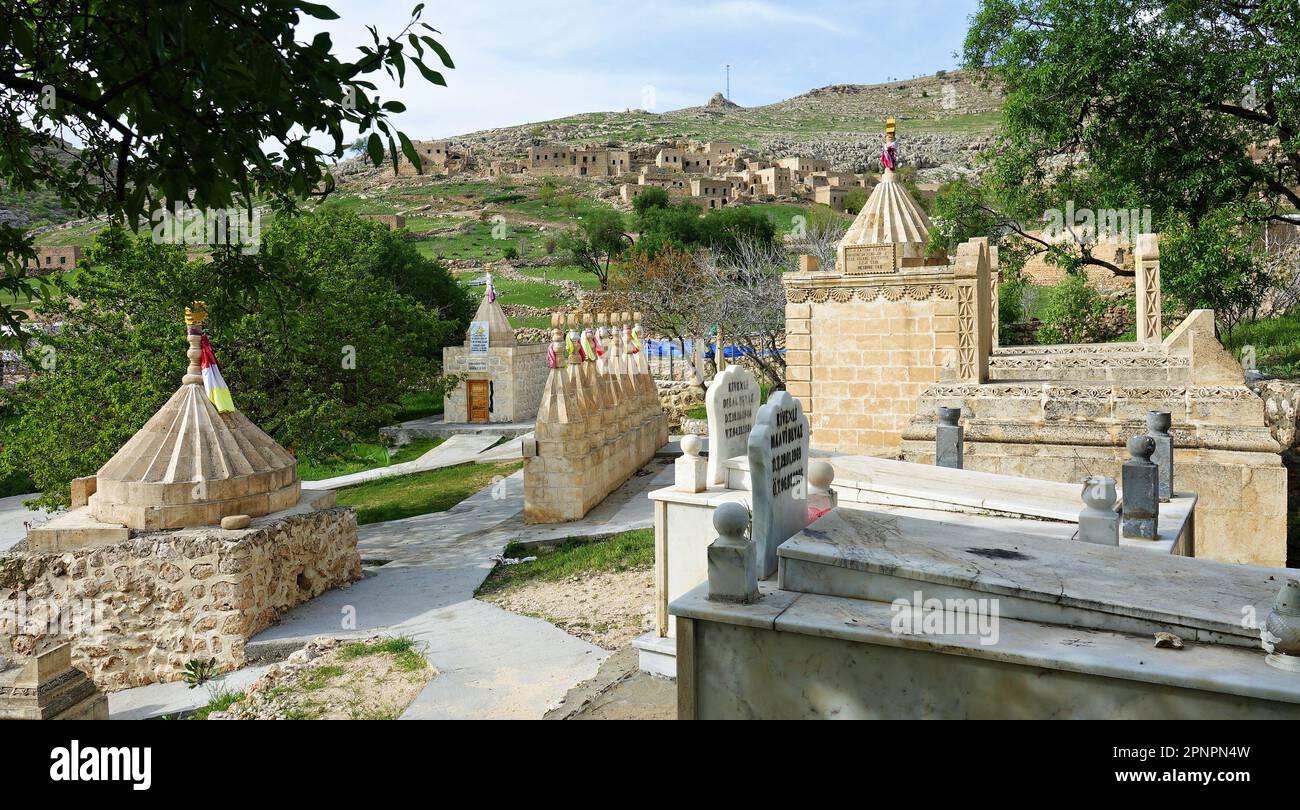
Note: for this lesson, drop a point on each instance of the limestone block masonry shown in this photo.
(600, 419)
(516, 375)
(860, 350)
(142, 609)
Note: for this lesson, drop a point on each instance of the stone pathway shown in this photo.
(174, 698)
(12, 516)
(421, 574)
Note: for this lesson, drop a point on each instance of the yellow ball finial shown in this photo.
(196, 313)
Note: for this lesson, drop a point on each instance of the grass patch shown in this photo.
(219, 702)
(419, 405)
(364, 456)
(566, 272)
(405, 652)
(1276, 344)
(420, 493)
(629, 551)
(320, 677)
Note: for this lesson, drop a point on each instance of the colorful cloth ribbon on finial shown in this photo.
(600, 342)
(214, 385)
(588, 350)
(551, 359)
(491, 290)
(569, 348)
(636, 339)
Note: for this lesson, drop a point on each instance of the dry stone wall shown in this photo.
(139, 611)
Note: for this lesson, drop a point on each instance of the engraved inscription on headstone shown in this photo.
(869, 260)
(778, 470)
(732, 405)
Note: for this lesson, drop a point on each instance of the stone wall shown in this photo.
(678, 397)
(599, 422)
(517, 373)
(860, 353)
(142, 609)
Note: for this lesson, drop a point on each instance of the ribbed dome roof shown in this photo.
(191, 466)
(890, 216)
(500, 333)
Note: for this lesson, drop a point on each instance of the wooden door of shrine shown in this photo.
(478, 400)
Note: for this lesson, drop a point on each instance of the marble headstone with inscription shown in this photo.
(778, 470)
(732, 405)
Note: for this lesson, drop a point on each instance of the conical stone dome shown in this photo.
(890, 216)
(191, 465)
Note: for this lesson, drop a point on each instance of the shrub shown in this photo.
(319, 335)
(1077, 313)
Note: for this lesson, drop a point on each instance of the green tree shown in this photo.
(599, 239)
(854, 200)
(1169, 97)
(725, 229)
(204, 103)
(1188, 108)
(650, 197)
(1218, 265)
(1075, 313)
(683, 227)
(318, 364)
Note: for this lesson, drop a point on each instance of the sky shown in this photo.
(520, 61)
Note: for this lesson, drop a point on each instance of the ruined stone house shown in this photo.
(55, 259)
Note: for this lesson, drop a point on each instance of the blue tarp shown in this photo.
(673, 348)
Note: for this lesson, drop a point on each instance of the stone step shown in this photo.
(883, 557)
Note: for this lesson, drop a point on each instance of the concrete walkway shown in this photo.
(456, 450)
(12, 517)
(174, 698)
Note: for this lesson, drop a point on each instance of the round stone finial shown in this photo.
(1281, 633)
(821, 474)
(1099, 492)
(1158, 422)
(731, 519)
(691, 444)
(1141, 448)
(949, 416)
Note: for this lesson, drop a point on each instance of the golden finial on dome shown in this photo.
(196, 313)
(890, 126)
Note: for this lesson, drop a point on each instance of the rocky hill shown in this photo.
(944, 120)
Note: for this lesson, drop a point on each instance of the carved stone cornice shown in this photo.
(867, 291)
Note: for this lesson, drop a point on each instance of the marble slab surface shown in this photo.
(1216, 668)
(1198, 593)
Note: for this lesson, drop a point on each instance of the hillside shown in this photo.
(943, 121)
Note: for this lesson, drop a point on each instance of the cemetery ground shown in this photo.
(598, 589)
(374, 679)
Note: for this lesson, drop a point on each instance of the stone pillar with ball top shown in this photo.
(1141, 507)
(1158, 423)
(733, 559)
(690, 469)
(948, 441)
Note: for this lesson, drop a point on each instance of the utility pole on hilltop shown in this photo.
(727, 96)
